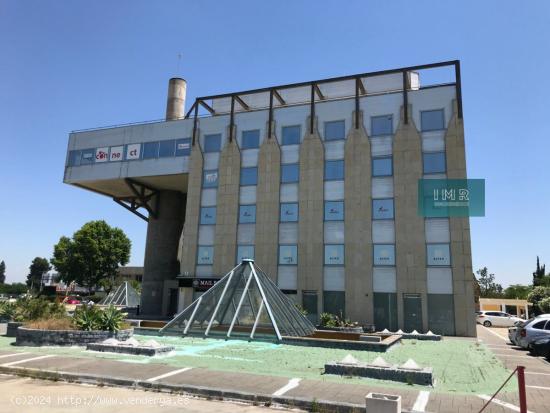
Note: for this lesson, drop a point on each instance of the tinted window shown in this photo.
(288, 255)
(251, 139)
(291, 135)
(289, 212)
(334, 255)
(290, 173)
(382, 166)
(150, 150)
(334, 170)
(539, 325)
(335, 130)
(382, 209)
(434, 162)
(247, 214)
(74, 158)
(439, 254)
(334, 210)
(208, 215)
(384, 254)
(87, 156)
(245, 252)
(167, 148)
(432, 120)
(210, 179)
(249, 176)
(205, 255)
(183, 147)
(212, 143)
(381, 125)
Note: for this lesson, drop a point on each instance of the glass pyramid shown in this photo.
(125, 295)
(244, 303)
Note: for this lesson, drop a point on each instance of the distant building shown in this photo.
(130, 273)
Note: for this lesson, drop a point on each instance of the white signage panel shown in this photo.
(102, 154)
(133, 151)
(116, 153)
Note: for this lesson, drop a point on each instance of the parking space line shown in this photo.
(11, 355)
(495, 334)
(501, 403)
(421, 401)
(537, 373)
(539, 387)
(292, 383)
(170, 373)
(514, 355)
(13, 363)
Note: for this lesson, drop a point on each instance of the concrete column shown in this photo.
(188, 253)
(267, 205)
(161, 251)
(358, 225)
(227, 213)
(410, 239)
(175, 102)
(310, 221)
(461, 250)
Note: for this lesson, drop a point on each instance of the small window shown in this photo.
(381, 125)
(539, 325)
(150, 150)
(212, 143)
(210, 179)
(289, 212)
(87, 156)
(249, 176)
(334, 254)
(440, 254)
(205, 255)
(183, 147)
(434, 163)
(290, 173)
(167, 148)
(384, 254)
(334, 210)
(251, 139)
(74, 158)
(288, 254)
(291, 135)
(335, 130)
(382, 166)
(247, 214)
(432, 120)
(382, 209)
(245, 252)
(334, 170)
(208, 215)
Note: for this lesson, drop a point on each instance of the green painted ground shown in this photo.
(460, 366)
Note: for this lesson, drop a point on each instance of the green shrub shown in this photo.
(544, 305)
(87, 318)
(31, 309)
(7, 310)
(111, 319)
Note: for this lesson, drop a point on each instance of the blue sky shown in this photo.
(68, 65)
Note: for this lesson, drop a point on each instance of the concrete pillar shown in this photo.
(267, 205)
(175, 102)
(227, 213)
(461, 250)
(358, 225)
(161, 251)
(311, 210)
(410, 239)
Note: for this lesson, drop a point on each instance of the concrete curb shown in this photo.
(196, 391)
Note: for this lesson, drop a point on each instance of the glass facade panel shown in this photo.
(382, 166)
(441, 314)
(385, 311)
(384, 254)
(432, 120)
(289, 193)
(334, 210)
(334, 190)
(205, 255)
(334, 170)
(183, 147)
(210, 179)
(334, 278)
(384, 280)
(247, 195)
(212, 143)
(291, 135)
(290, 173)
(434, 162)
(167, 148)
(249, 176)
(335, 130)
(309, 302)
(289, 212)
(288, 254)
(288, 233)
(334, 232)
(382, 209)
(247, 214)
(334, 302)
(334, 254)
(381, 125)
(74, 158)
(245, 252)
(251, 139)
(208, 216)
(438, 254)
(150, 150)
(87, 156)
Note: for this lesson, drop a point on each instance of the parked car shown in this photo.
(534, 329)
(513, 333)
(71, 300)
(540, 347)
(497, 319)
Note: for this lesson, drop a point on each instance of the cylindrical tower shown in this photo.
(175, 103)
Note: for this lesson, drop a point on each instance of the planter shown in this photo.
(11, 330)
(357, 329)
(34, 337)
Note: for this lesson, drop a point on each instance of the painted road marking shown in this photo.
(13, 363)
(495, 334)
(170, 373)
(539, 387)
(535, 372)
(11, 355)
(292, 383)
(514, 355)
(421, 401)
(501, 403)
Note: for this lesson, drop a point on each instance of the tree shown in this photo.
(93, 253)
(538, 297)
(538, 275)
(487, 286)
(38, 267)
(517, 291)
(2, 272)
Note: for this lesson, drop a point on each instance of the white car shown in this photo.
(497, 319)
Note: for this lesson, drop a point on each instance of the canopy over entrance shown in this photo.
(125, 296)
(244, 303)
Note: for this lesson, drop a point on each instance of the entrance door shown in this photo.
(173, 302)
(412, 308)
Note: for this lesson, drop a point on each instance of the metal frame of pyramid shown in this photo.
(125, 296)
(244, 303)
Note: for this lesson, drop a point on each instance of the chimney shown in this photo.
(175, 103)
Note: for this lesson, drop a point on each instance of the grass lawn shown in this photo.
(460, 366)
